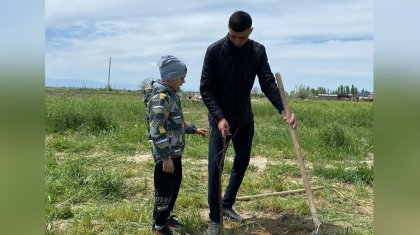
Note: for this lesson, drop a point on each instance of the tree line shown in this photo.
(301, 91)
(305, 92)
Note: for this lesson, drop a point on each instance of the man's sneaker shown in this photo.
(163, 231)
(231, 214)
(213, 229)
(173, 223)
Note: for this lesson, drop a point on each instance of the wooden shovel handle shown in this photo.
(295, 141)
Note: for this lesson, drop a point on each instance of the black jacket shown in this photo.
(228, 76)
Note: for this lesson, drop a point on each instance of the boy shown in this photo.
(167, 138)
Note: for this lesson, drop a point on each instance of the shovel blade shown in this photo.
(317, 231)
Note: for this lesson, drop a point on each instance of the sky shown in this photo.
(316, 43)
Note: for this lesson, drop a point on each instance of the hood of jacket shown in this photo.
(154, 87)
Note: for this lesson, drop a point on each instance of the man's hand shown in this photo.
(202, 131)
(223, 126)
(291, 121)
(168, 165)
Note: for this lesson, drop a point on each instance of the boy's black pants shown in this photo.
(166, 190)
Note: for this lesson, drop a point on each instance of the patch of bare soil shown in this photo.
(259, 162)
(274, 224)
(369, 163)
(59, 225)
(195, 161)
(139, 158)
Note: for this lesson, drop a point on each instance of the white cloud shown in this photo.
(330, 50)
(328, 38)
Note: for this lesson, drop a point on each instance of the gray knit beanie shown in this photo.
(171, 68)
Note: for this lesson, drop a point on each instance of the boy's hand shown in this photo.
(202, 131)
(168, 165)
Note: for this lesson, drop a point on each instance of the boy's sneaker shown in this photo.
(173, 223)
(163, 231)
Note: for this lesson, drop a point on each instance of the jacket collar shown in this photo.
(230, 44)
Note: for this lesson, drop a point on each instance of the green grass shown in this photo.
(99, 179)
(360, 173)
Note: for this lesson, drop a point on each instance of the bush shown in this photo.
(98, 122)
(70, 117)
(302, 92)
(66, 119)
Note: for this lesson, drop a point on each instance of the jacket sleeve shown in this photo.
(268, 82)
(159, 112)
(208, 85)
(190, 128)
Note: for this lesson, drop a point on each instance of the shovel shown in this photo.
(298, 151)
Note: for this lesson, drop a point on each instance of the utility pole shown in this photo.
(109, 74)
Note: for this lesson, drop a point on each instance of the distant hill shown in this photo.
(75, 83)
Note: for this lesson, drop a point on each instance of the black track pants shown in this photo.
(166, 190)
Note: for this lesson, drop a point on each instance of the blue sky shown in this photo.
(310, 42)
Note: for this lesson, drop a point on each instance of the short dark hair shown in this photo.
(240, 21)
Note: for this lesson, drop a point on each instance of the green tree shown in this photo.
(302, 92)
(353, 91)
(346, 91)
(321, 90)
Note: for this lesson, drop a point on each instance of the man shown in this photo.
(229, 70)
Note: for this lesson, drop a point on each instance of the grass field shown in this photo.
(99, 172)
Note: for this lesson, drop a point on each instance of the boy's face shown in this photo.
(176, 84)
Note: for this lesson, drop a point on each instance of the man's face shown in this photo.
(239, 38)
(176, 84)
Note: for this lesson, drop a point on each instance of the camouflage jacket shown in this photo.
(166, 126)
